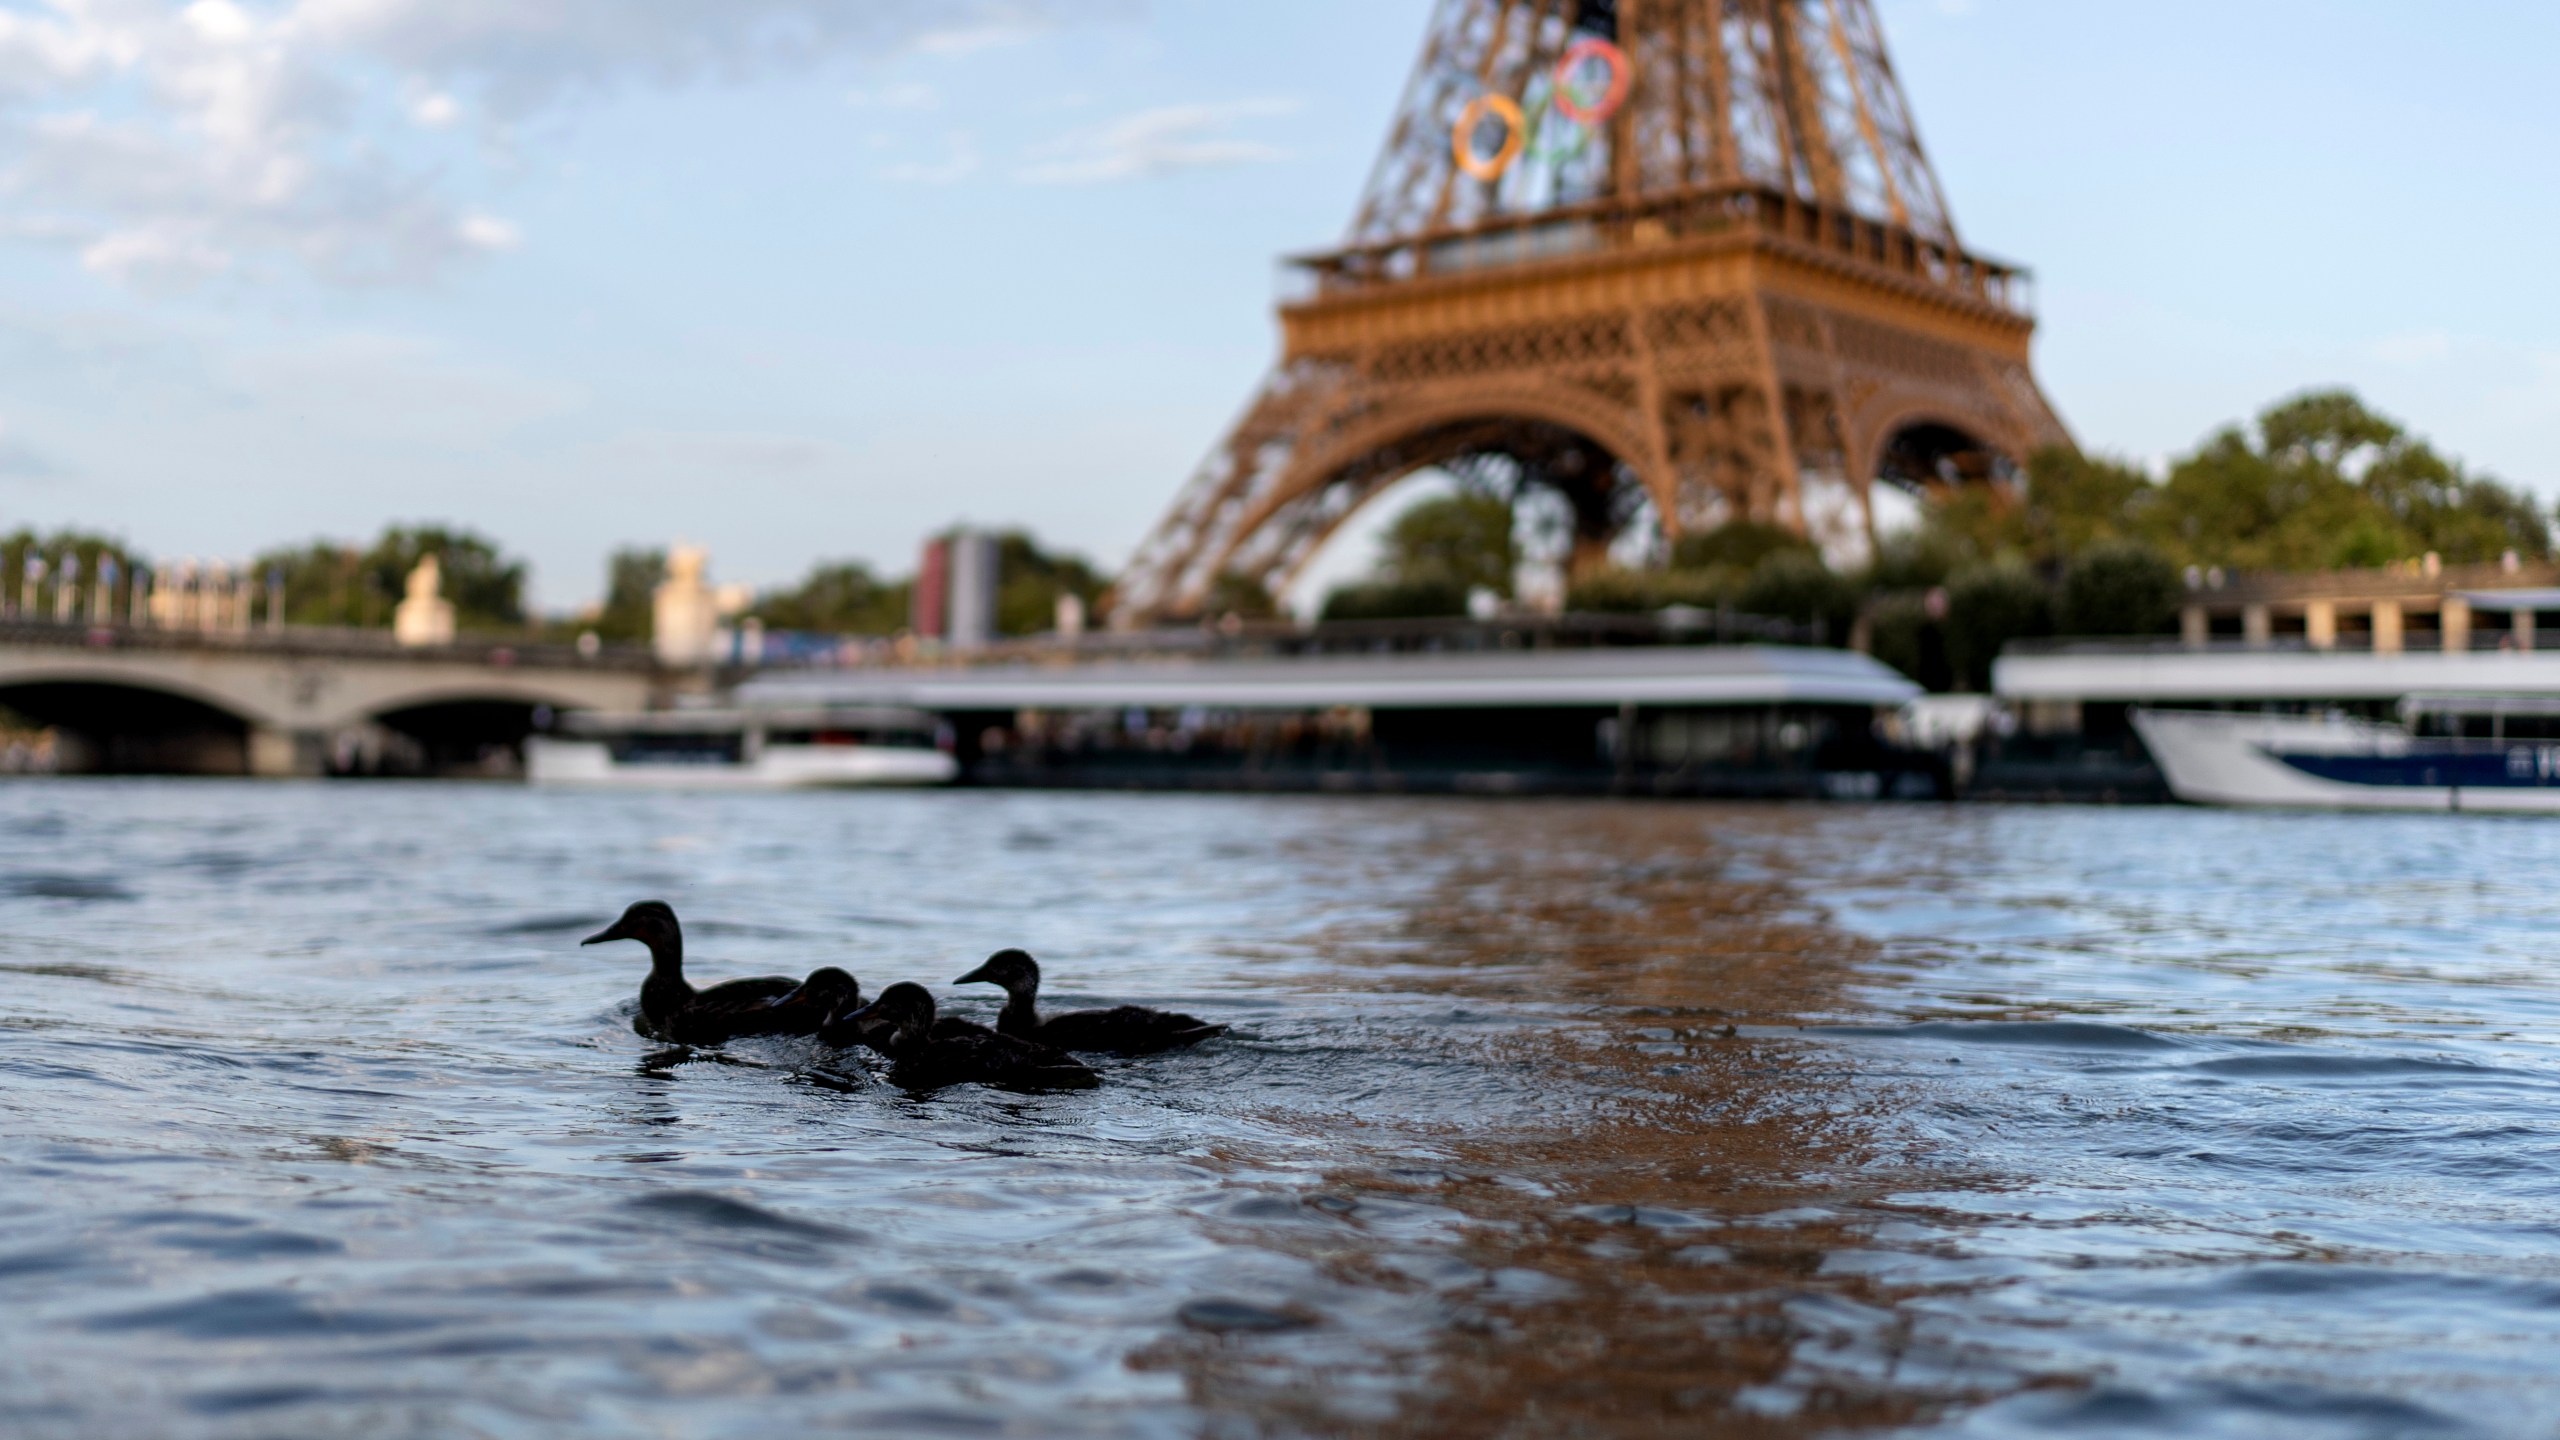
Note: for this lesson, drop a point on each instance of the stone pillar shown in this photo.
(2320, 624)
(286, 754)
(2258, 625)
(2386, 627)
(2195, 627)
(2456, 623)
(2524, 629)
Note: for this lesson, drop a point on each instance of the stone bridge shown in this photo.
(300, 702)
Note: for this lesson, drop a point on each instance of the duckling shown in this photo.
(826, 994)
(900, 1024)
(670, 1008)
(1121, 1030)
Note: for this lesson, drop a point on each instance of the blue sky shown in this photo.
(800, 279)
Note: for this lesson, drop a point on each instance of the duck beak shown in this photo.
(978, 976)
(610, 932)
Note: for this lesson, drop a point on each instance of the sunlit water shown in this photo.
(1535, 1119)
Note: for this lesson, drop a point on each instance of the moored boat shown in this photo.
(2448, 752)
(741, 750)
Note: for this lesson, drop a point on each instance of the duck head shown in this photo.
(901, 1016)
(836, 990)
(1015, 970)
(652, 923)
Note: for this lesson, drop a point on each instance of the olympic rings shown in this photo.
(1515, 136)
(1622, 75)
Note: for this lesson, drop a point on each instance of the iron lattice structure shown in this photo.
(1740, 287)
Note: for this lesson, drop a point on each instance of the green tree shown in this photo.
(1395, 600)
(326, 583)
(1621, 591)
(1242, 596)
(838, 598)
(2119, 587)
(1431, 558)
(1030, 580)
(1795, 585)
(1987, 607)
(631, 579)
(2075, 501)
(1737, 544)
(1907, 637)
(1463, 540)
(85, 550)
(2326, 483)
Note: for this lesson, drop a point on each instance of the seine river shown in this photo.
(1537, 1119)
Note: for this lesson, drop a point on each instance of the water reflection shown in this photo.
(1665, 1234)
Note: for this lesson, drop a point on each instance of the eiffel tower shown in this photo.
(1677, 261)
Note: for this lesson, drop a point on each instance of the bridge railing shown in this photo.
(326, 643)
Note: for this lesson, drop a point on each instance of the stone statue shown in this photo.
(425, 617)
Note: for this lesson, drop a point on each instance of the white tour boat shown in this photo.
(2449, 752)
(741, 749)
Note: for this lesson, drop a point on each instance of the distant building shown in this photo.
(2411, 606)
(955, 594)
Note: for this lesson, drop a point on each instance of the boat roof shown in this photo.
(2163, 675)
(1686, 675)
(2547, 599)
(2481, 705)
(709, 720)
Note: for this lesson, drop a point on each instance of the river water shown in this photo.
(1537, 1119)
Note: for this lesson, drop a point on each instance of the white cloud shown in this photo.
(167, 144)
(488, 232)
(436, 111)
(1158, 142)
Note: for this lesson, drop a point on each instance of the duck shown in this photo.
(826, 994)
(900, 1025)
(670, 1008)
(1120, 1030)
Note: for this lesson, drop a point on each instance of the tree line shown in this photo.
(336, 583)
(2088, 546)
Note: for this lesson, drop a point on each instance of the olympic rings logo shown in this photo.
(1515, 136)
(1567, 96)
(1622, 78)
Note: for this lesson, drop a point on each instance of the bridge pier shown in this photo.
(276, 754)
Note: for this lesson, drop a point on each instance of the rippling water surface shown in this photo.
(1536, 1119)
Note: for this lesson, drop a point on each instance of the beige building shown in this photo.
(2415, 605)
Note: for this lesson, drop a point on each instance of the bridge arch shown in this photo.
(286, 709)
(116, 725)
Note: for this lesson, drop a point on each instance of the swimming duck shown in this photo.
(670, 1008)
(1121, 1030)
(826, 994)
(923, 1056)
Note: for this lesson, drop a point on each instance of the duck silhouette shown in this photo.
(671, 1009)
(1120, 1030)
(826, 994)
(926, 1056)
